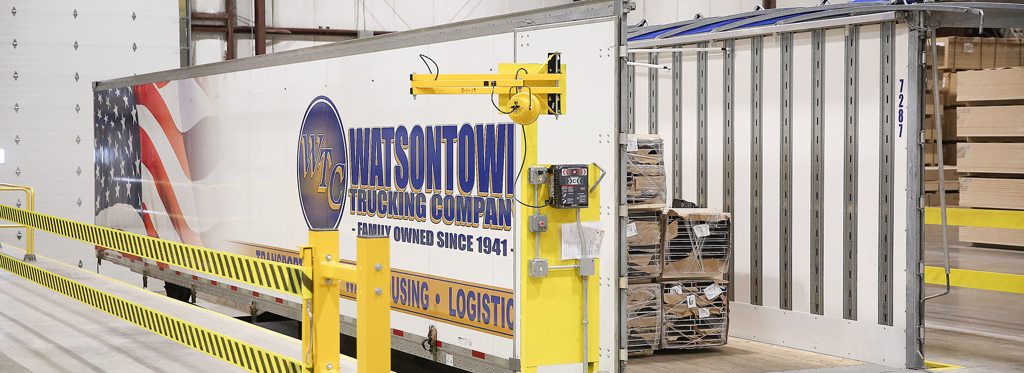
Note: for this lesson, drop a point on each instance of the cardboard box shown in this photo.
(958, 53)
(643, 318)
(697, 243)
(992, 193)
(993, 236)
(990, 121)
(695, 313)
(1001, 52)
(645, 171)
(990, 85)
(994, 158)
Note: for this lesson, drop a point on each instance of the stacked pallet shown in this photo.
(697, 243)
(645, 195)
(643, 318)
(958, 56)
(694, 313)
(696, 249)
(991, 160)
(645, 172)
(643, 238)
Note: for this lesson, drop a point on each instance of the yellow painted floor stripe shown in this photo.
(965, 278)
(960, 217)
(226, 348)
(937, 366)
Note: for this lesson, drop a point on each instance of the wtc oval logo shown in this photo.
(321, 165)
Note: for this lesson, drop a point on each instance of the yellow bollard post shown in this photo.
(373, 304)
(321, 330)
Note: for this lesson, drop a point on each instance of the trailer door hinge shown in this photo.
(623, 51)
(623, 354)
(623, 211)
(623, 282)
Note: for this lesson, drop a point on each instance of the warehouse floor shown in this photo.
(972, 329)
(41, 331)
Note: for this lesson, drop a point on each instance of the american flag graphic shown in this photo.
(142, 174)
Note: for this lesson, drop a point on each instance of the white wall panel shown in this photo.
(55, 141)
(741, 215)
(664, 113)
(640, 92)
(833, 138)
(688, 137)
(868, 129)
(899, 217)
(771, 163)
(716, 128)
(802, 143)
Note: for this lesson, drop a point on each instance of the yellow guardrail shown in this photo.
(964, 278)
(234, 351)
(317, 281)
(30, 204)
(1008, 219)
(284, 278)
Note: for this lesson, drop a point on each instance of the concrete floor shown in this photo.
(977, 330)
(42, 331)
(981, 331)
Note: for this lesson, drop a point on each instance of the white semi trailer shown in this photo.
(805, 124)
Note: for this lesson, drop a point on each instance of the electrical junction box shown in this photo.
(538, 175)
(538, 223)
(570, 185)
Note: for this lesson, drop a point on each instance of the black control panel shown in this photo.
(569, 186)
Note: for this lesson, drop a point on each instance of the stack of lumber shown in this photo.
(694, 313)
(959, 57)
(643, 318)
(991, 160)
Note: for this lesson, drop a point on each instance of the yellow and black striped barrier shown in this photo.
(320, 308)
(285, 278)
(964, 278)
(229, 349)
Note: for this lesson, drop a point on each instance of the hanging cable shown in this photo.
(436, 70)
(518, 174)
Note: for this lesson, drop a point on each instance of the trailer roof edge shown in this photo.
(449, 32)
(765, 30)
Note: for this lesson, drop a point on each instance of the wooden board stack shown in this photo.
(962, 58)
(991, 160)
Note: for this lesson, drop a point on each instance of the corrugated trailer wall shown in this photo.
(802, 135)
